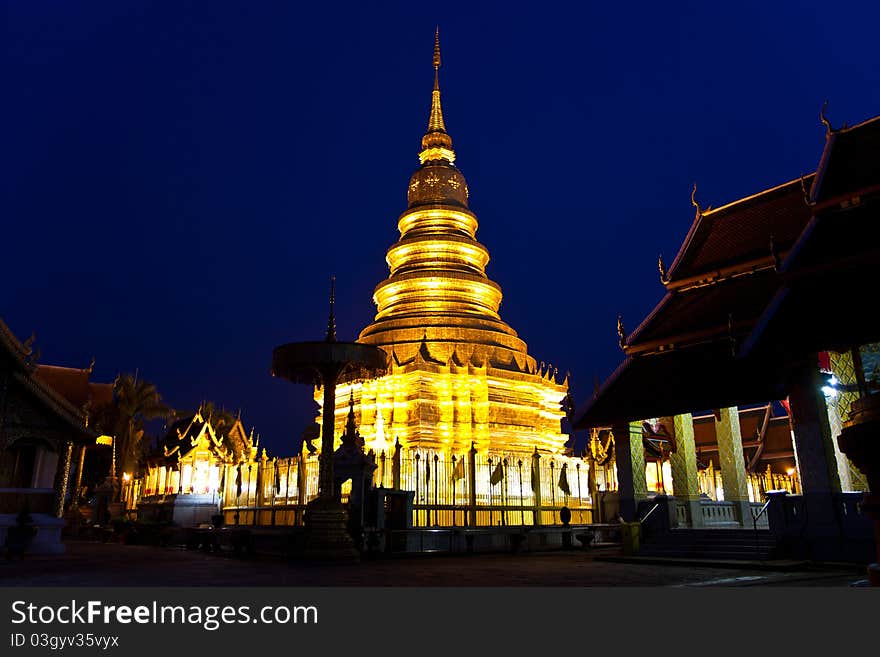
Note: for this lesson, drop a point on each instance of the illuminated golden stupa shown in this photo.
(458, 372)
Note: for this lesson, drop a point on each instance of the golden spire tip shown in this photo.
(437, 48)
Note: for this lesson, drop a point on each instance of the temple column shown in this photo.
(816, 461)
(683, 463)
(80, 464)
(838, 412)
(62, 478)
(813, 444)
(730, 459)
(328, 433)
(302, 481)
(629, 453)
(472, 486)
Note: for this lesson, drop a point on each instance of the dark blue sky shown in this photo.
(182, 178)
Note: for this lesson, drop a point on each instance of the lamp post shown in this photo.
(327, 364)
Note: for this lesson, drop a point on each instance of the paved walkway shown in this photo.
(109, 564)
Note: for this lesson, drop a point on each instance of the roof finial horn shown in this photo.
(824, 119)
(694, 201)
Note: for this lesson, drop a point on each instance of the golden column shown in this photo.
(683, 463)
(838, 413)
(629, 452)
(730, 458)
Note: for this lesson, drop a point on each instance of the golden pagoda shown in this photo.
(458, 373)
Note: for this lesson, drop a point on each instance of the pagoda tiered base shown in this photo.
(327, 538)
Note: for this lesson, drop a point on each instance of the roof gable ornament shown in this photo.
(31, 355)
(621, 332)
(824, 119)
(664, 275)
(694, 200)
(805, 191)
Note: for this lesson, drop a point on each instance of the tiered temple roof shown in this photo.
(52, 390)
(729, 323)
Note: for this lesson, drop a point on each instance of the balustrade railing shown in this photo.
(718, 514)
(470, 489)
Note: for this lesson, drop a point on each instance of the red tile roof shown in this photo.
(73, 384)
(741, 232)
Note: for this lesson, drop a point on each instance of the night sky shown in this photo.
(182, 178)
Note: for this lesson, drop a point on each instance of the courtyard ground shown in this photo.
(112, 564)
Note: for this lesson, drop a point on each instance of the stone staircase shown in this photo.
(719, 544)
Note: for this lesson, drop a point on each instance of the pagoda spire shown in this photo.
(436, 144)
(331, 320)
(435, 121)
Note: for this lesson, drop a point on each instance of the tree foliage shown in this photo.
(134, 403)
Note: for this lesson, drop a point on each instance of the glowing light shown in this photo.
(104, 440)
(459, 374)
(831, 389)
(790, 472)
(437, 153)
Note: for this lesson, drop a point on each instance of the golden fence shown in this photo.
(711, 483)
(448, 489)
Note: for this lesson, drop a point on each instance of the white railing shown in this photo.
(719, 514)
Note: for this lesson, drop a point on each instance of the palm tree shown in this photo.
(134, 402)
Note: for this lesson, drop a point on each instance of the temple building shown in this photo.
(763, 305)
(192, 467)
(459, 374)
(45, 432)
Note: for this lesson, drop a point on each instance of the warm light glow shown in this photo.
(459, 374)
(437, 153)
(104, 440)
(789, 472)
(126, 476)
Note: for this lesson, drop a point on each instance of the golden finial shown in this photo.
(694, 200)
(621, 332)
(331, 320)
(437, 49)
(824, 119)
(662, 267)
(435, 121)
(436, 144)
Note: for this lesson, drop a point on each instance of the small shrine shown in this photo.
(185, 475)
